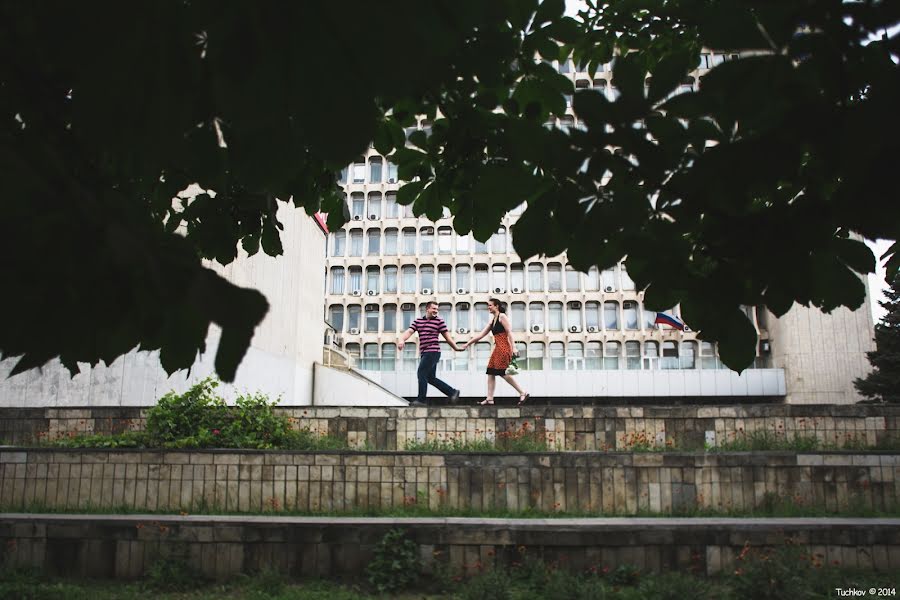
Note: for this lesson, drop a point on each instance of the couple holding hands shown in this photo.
(431, 325)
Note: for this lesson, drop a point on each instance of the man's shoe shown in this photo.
(417, 403)
(454, 396)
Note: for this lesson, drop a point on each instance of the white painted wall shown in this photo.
(603, 384)
(340, 387)
(279, 361)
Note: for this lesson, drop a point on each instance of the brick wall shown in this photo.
(567, 428)
(593, 483)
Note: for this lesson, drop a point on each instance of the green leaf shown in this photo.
(271, 239)
(548, 11)
(669, 72)
(409, 192)
(856, 255)
(628, 76)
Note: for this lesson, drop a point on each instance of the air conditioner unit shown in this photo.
(427, 291)
(499, 290)
(357, 293)
(574, 329)
(391, 180)
(371, 293)
(574, 304)
(407, 306)
(537, 329)
(462, 291)
(608, 289)
(354, 331)
(517, 290)
(373, 217)
(593, 329)
(357, 217)
(462, 330)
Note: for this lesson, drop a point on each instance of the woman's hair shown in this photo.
(500, 305)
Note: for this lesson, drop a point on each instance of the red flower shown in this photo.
(216, 432)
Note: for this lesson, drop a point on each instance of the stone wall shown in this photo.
(219, 547)
(592, 483)
(567, 428)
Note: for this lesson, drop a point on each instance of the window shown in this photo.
(390, 279)
(407, 212)
(611, 355)
(535, 277)
(375, 169)
(649, 319)
(355, 279)
(688, 355)
(498, 241)
(632, 355)
(370, 360)
(373, 248)
(353, 351)
(554, 277)
(565, 66)
(482, 316)
(592, 314)
(708, 358)
(373, 275)
(426, 240)
(392, 173)
(426, 277)
(557, 356)
(337, 280)
(340, 243)
(627, 282)
(357, 206)
(592, 280)
(572, 280)
(573, 315)
(463, 316)
(482, 355)
(408, 279)
(480, 247)
(610, 315)
(407, 316)
(593, 358)
(535, 356)
(630, 315)
(358, 170)
(522, 350)
(390, 242)
(609, 280)
(555, 316)
(498, 278)
(390, 318)
(575, 356)
(409, 362)
(391, 208)
(409, 241)
(481, 278)
(463, 277)
(353, 314)
(373, 212)
(445, 311)
(388, 357)
(445, 240)
(336, 316)
(462, 244)
(342, 176)
(669, 356)
(536, 313)
(371, 318)
(356, 242)
(461, 360)
(517, 277)
(651, 355)
(517, 316)
(444, 282)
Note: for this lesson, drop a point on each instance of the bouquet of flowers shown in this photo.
(513, 368)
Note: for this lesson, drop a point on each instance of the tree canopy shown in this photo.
(747, 191)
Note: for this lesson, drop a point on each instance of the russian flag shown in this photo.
(664, 319)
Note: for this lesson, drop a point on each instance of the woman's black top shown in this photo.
(498, 327)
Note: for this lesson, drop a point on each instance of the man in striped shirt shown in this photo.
(428, 328)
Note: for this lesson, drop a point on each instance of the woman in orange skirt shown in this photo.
(503, 350)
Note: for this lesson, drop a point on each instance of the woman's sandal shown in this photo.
(523, 398)
(486, 402)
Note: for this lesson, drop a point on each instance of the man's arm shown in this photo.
(450, 341)
(404, 337)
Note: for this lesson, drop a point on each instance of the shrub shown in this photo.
(395, 564)
(494, 584)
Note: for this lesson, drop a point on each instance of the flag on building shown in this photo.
(664, 319)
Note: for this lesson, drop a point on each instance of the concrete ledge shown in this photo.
(582, 428)
(119, 546)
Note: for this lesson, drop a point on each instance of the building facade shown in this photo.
(385, 264)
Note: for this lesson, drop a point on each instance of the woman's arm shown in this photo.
(483, 333)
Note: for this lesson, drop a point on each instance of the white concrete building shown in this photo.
(385, 264)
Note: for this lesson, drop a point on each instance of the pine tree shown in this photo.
(883, 383)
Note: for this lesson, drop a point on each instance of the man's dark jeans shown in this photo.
(427, 373)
